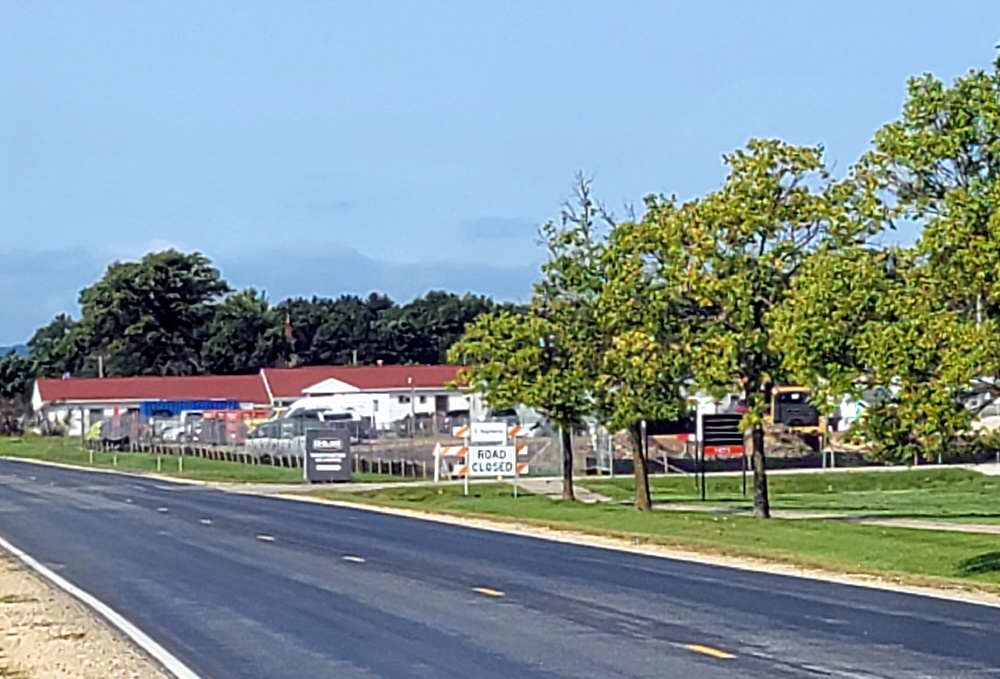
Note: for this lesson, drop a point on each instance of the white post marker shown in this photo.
(467, 440)
(517, 474)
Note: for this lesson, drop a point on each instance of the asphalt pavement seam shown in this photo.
(154, 650)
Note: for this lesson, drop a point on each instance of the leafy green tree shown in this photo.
(15, 384)
(349, 332)
(642, 368)
(15, 378)
(514, 360)
(939, 163)
(547, 357)
(244, 335)
(735, 254)
(150, 317)
(859, 320)
(57, 349)
(433, 323)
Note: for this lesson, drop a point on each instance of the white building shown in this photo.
(387, 394)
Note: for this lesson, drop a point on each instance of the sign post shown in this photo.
(327, 455)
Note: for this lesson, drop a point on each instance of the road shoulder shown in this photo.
(46, 633)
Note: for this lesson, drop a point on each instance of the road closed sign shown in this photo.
(486, 461)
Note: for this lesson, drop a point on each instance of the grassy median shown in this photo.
(68, 451)
(915, 556)
(933, 493)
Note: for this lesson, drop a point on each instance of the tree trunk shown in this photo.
(566, 440)
(761, 503)
(642, 501)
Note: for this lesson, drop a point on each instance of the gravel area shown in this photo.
(45, 634)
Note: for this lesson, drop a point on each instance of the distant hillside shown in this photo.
(17, 349)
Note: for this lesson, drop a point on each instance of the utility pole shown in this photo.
(413, 413)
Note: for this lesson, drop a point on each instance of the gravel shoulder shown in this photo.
(45, 634)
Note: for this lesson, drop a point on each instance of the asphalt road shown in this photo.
(241, 586)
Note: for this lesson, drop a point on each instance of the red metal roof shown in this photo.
(289, 382)
(243, 388)
(284, 383)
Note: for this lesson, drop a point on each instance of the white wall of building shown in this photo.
(388, 407)
(424, 402)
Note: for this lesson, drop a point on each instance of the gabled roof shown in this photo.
(243, 388)
(262, 388)
(290, 382)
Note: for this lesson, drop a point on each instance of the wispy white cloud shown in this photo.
(501, 228)
(133, 251)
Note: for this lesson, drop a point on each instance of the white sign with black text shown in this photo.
(488, 432)
(492, 461)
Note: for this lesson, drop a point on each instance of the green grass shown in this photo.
(926, 557)
(70, 452)
(930, 493)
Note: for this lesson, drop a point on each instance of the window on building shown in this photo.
(423, 399)
(404, 399)
(374, 406)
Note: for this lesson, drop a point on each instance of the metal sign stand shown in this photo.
(517, 466)
(701, 468)
(467, 442)
(744, 472)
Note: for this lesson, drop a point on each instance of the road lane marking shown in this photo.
(144, 641)
(708, 650)
(487, 591)
(206, 522)
(265, 538)
(353, 559)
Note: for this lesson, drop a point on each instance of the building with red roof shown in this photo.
(130, 391)
(391, 393)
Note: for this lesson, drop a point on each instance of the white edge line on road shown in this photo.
(161, 655)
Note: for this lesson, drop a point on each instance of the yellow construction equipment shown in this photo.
(791, 408)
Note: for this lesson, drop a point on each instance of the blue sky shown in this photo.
(328, 147)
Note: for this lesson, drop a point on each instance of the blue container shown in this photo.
(174, 408)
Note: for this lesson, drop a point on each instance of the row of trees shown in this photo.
(171, 313)
(780, 274)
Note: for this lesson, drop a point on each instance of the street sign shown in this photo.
(492, 461)
(328, 455)
(488, 432)
(721, 434)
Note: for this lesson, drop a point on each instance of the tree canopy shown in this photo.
(172, 313)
